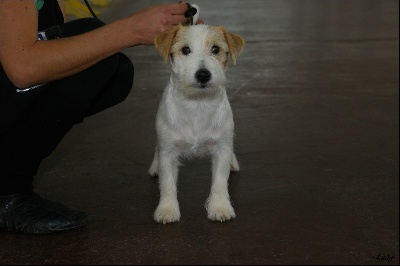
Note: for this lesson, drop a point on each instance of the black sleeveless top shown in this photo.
(49, 15)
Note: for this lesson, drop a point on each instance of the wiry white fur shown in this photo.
(194, 121)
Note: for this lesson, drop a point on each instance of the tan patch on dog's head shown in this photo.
(165, 41)
(235, 44)
(218, 37)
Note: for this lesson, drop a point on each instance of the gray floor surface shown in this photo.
(315, 96)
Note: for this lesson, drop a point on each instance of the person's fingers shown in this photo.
(177, 8)
(175, 13)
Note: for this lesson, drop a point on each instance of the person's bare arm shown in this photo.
(28, 61)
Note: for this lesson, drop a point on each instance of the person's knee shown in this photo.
(128, 71)
(117, 88)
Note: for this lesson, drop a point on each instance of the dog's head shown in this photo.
(199, 56)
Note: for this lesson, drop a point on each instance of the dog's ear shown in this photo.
(165, 41)
(235, 44)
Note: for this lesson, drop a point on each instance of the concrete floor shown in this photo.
(315, 97)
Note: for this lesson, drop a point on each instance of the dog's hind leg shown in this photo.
(234, 163)
(218, 204)
(168, 207)
(153, 171)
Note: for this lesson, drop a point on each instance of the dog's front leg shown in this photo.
(218, 204)
(168, 207)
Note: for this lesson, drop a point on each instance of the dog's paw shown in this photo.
(167, 213)
(220, 210)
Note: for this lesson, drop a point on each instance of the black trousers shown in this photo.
(33, 123)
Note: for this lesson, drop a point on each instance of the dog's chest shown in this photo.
(194, 127)
(196, 134)
(194, 147)
(199, 130)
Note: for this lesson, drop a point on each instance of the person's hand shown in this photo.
(148, 23)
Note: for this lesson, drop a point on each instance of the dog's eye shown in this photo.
(186, 50)
(215, 49)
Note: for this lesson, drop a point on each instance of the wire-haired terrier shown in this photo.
(194, 117)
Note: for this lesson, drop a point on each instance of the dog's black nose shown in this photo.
(203, 75)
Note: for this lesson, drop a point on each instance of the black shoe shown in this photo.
(29, 213)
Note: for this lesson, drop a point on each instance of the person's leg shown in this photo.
(41, 126)
(36, 133)
(41, 121)
(117, 89)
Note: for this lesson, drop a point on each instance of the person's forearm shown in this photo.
(67, 56)
(70, 55)
(28, 61)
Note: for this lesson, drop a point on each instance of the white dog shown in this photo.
(194, 117)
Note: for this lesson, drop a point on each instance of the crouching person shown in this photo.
(48, 86)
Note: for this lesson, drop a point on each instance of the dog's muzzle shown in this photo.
(203, 76)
